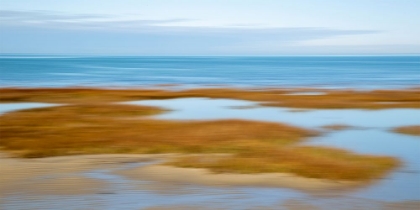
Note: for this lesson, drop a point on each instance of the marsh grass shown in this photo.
(313, 162)
(332, 99)
(336, 127)
(77, 129)
(413, 130)
(255, 147)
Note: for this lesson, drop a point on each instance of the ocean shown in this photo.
(359, 72)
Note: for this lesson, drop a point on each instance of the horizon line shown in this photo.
(203, 55)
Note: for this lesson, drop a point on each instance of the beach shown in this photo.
(65, 175)
(36, 181)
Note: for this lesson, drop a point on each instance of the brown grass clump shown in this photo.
(313, 162)
(332, 99)
(79, 95)
(413, 130)
(115, 128)
(336, 127)
(81, 129)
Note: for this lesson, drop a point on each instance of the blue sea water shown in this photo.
(364, 72)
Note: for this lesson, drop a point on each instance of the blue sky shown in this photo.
(210, 27)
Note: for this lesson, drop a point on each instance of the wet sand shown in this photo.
(197, 176)
(64, 175)
(58, 175)
(36, 180)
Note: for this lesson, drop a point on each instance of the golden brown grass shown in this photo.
(76, 95)
(107, 128)
(313, 162)
(413, 130)
(113, 128)
(332, 99)
(336, 127)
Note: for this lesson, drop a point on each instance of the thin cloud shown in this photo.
(16, 16)
(54, 19)
(48, 31)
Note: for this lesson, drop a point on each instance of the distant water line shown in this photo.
(361, 72)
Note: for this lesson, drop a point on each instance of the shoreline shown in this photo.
(64, 175)
(78, 164)
(204, 177)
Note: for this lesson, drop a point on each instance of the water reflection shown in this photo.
(369, 134)
(208, 109)
(9, 107)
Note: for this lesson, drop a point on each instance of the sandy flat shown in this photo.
(64, 175)
(58, 175)
(205, 177)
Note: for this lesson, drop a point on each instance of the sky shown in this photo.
(210, 27)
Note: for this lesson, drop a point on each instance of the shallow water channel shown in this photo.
(368, 133)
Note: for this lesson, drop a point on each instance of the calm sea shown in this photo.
(365, 72)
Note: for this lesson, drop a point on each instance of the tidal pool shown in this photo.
(9, 107)
(369, 133)
(211, 109)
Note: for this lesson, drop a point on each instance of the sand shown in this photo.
(58, 175)
(172, 174)
(65, 175)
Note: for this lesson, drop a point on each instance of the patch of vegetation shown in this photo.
(332, 99)
(413, 130)
(254, 146)
(313, 162)
(77, 129)
(336, 127)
